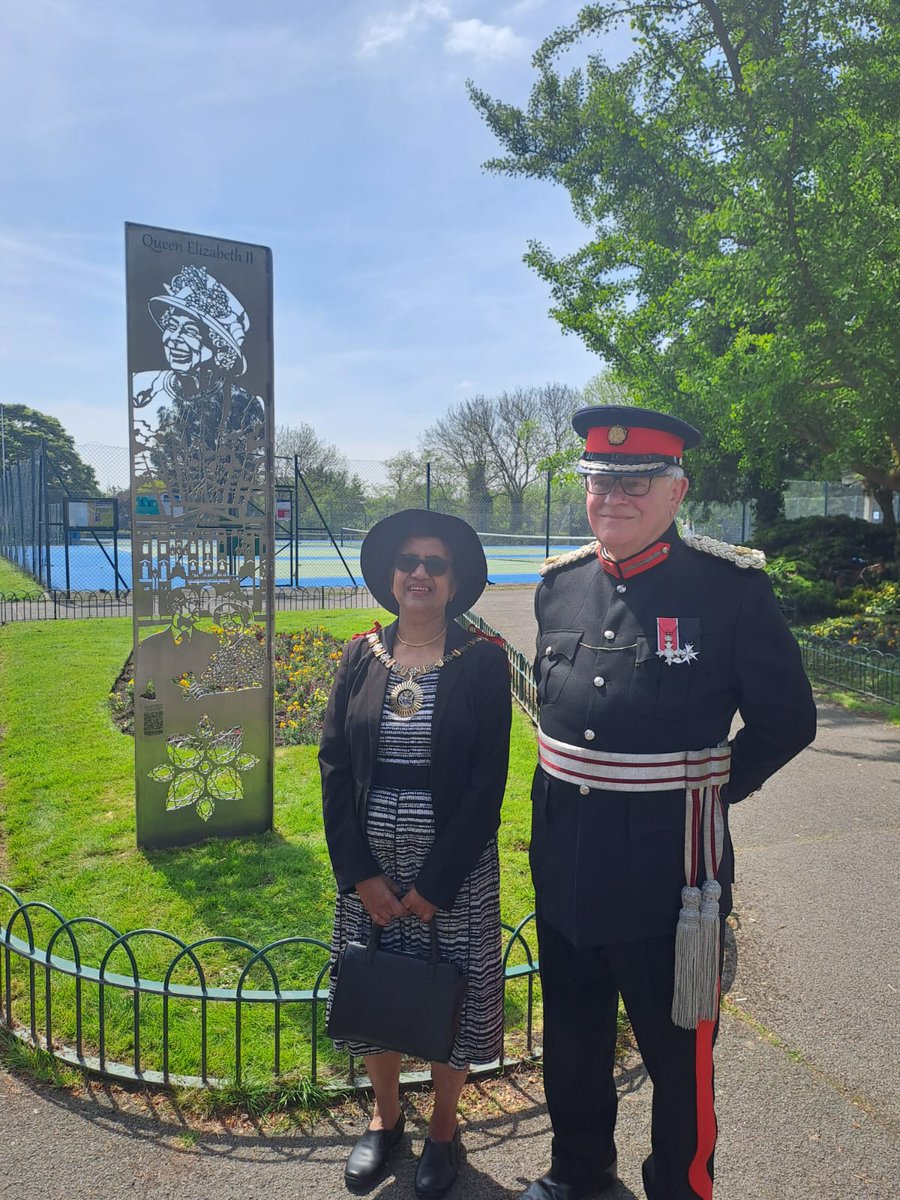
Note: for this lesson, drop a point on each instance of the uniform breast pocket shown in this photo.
(672, 673)
(556, 654)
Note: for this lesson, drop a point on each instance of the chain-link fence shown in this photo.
(75, 543)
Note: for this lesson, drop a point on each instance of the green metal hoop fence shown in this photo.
(859, 669)
(37, 605)
(66, 998)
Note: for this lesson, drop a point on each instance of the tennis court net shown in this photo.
(500, 547)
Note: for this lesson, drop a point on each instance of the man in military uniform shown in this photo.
(648, 644)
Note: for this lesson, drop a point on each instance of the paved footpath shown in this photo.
(807, 1067)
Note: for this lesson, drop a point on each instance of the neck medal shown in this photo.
(405, 698)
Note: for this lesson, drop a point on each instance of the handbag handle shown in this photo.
(434, 956)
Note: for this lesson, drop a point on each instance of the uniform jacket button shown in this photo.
(589, 735)
(548, 651)
(609, 634)
(599, 681)
(620, 587)
(585, 791)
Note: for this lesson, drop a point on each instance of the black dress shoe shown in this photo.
(548, 1187)
(438, 1168)
(369, 1156)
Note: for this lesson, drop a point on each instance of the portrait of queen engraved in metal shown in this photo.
(199, 437)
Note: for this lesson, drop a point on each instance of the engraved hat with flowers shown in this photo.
(623, 440)
(194, 291)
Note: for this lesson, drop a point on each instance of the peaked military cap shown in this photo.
(631, 441)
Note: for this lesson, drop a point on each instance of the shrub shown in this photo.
(796, 584)
(831, 546)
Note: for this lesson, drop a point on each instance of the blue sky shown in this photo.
(340, 134)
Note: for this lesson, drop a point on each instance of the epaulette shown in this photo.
(376, 628)
(741, 556)
(556, 561)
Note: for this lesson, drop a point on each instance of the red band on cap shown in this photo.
(638, 441)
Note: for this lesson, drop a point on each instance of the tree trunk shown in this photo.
(884, 498)
(768, 507)
(479, 500)
(516, 512)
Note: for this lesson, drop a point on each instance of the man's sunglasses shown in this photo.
(631, 485)
(433, 564)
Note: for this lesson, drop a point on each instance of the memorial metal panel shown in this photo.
(201, 428)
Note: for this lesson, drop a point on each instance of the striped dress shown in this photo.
(400, 831)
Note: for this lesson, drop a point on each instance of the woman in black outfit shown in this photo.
(414, 757)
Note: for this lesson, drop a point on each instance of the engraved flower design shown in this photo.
(205, 293)
(204, 767)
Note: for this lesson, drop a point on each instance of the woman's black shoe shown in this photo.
(369, 1156)
(438, 1168)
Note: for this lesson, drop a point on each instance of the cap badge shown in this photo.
(669, 643)
(617, 435)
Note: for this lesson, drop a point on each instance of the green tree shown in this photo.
(26, 430)
(502, 445)
(739, 174)
(458, 446)
(338, 492)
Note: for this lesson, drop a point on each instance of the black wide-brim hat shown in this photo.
(381, 543)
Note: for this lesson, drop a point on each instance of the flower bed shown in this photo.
(305, 665)
(876, 624)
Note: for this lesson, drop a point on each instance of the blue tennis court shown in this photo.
(317, 563)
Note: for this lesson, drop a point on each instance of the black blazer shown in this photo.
(469, 760)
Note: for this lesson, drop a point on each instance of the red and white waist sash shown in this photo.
(605, 771)
(701, 773)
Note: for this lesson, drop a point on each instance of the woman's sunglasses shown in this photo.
(433, 564)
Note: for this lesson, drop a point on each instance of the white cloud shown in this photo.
(478, 40)
(394, 27)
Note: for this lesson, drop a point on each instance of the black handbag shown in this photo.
(398, 1001)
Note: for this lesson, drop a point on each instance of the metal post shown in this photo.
(428, 485)
(46, 502)
(295, 528)
(68, 569)
(35, 561)
(325, 526)
(825, 508)
(21, 511)
(547, 537)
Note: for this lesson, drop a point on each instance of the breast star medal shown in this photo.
(669, 643)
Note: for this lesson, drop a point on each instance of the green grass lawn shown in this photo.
(67, 838)
(14, 582)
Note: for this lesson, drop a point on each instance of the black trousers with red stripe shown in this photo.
(581, 989)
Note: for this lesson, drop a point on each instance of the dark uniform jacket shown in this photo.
(609, 866)
(469, 759)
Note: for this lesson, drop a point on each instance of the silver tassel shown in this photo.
(708, 952)
(685, 997)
